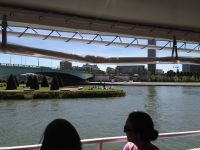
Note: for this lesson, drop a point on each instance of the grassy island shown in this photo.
(66, 92)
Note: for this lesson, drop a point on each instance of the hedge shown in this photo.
(60, 94)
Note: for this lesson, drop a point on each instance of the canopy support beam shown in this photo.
(4, 31)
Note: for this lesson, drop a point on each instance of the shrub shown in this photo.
(11, 83)
(54, 84)
(44, 82)
(60, 82)
(81, 94)
(29, 81)
(17, 83)
(35, 83)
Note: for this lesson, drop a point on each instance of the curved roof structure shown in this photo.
(155, 18)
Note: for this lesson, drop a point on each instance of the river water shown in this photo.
(173, 109)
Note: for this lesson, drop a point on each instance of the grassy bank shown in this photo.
(45, 93)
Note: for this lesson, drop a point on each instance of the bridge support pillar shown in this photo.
(152, 53)
(4, 31)
(174, 48)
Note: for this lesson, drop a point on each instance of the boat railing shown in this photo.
(101, 141)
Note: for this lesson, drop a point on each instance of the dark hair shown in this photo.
(142, 123)
(61, 135)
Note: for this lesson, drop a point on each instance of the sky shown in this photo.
(80, 49)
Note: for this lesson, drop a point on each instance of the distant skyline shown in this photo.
(81, 49)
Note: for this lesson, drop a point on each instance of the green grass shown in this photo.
(2, 88)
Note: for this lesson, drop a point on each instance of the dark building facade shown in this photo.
(152, 53)
(190, 68)
(65, 65)
(130, 70)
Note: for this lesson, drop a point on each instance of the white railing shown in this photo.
(101, 141)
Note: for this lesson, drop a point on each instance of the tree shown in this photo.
(159, 78)
(152, 78)
(44, 82)
(192, 79)
(181, 74)
(170, 73)
(29, 81)
(60, 82)
(178, 73)
(11, 83)
(110, 70)
(54, 84)
(35, 83)
(175, 78)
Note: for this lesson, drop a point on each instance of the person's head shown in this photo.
(139, 127)
(61, 135)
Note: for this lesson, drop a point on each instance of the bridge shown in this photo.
(67, 76)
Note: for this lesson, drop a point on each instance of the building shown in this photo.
(65, 65)
(190, 68)
(120, 78)
(130, 70)
(102, 78)
(92, 67)
(152, 53)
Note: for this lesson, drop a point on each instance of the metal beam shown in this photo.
(134, 44)
(4, 31)
(35, 52)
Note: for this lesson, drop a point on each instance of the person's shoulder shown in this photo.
(129, 146)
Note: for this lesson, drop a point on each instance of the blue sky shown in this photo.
(80, 49)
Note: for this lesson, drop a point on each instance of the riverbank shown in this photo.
(148, 83)
(62, 93)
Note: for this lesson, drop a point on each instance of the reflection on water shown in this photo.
(172, 109)
(151, 104)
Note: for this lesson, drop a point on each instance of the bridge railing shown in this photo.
(101, 141)
(18, 65)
